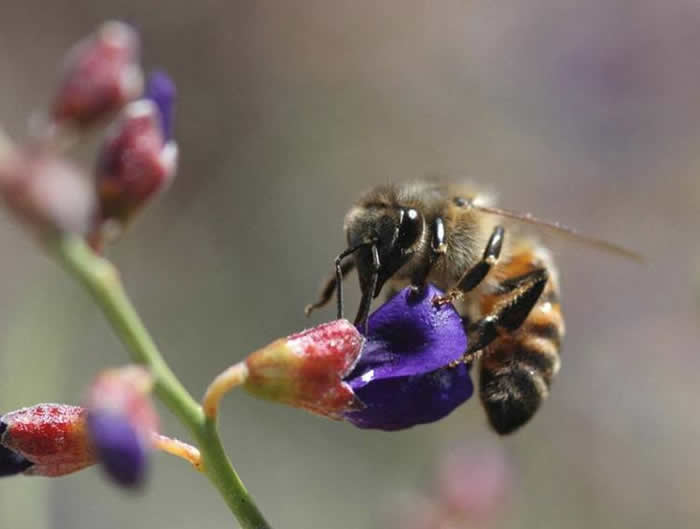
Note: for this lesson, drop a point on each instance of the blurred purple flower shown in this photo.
(121, 421)
(409, 371)
(120, 448)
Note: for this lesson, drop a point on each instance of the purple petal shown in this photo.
(409, 335)
(161, 90)
(397, 403)
(119, 448)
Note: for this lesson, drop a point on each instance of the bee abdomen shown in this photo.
(517, 370)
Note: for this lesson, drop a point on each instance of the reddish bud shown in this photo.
(101, 75)
(47, 439)
(46, 192)
(136, 162)
(306, 369)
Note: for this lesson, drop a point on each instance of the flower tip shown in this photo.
(119, 447)
(12, 463)
(161, 90)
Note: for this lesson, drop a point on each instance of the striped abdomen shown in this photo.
(516, 369)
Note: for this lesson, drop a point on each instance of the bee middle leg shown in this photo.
(509, 314)
(476, 274)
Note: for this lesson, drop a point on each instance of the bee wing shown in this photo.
(563, 230)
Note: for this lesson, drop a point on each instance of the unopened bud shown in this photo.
(138, 159)
(46, 192)
(101, 74)
(306, 370)
(45, 440)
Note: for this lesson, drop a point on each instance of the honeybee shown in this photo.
(500, 278)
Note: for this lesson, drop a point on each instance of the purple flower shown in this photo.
(121, 422)
(409, 371)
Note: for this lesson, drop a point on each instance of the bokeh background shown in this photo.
(587, 112)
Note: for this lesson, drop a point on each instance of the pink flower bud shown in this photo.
(101, 75)
(51, 438)
(46, 192)
(138, 159)
(306, 369)
(126, 391)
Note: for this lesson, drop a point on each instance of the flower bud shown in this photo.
(46, 192)
(45, 440)
(121, 422)
(305, 370)
(138, 158)
(101, 74)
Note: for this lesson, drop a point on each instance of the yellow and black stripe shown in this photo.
(517, 368)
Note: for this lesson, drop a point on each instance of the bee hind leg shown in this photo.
(509, 314)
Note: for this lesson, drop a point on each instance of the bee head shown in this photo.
(393, 233)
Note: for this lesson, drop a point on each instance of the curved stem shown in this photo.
(233, 377)
(101, 279)
(177, 448)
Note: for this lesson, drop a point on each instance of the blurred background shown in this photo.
(586, 112)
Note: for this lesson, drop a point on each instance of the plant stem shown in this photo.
(233, 377)
(101, 279)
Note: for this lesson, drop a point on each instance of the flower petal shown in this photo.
(161, 90)
(409, 335)
(401, 402)
(119, 447)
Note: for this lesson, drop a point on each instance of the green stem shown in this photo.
(101, 279)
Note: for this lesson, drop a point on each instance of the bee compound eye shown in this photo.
(410, 228)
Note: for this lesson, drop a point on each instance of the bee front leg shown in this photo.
(508, 315)
(478, 272)
(342, 269)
